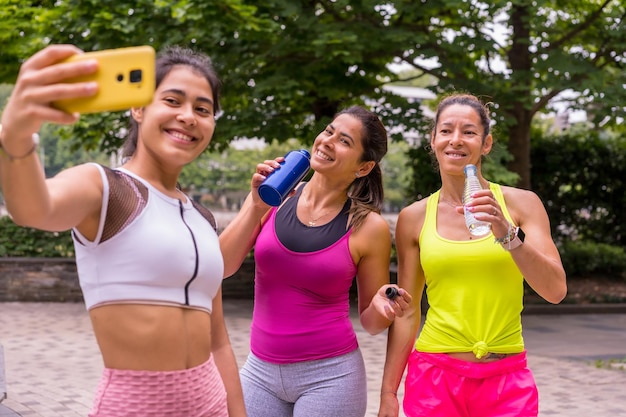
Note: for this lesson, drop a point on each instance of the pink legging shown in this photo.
(440, 386)
(194, 392)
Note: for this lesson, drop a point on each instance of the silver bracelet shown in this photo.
(12, 158)
(510, 235)
(516, 241)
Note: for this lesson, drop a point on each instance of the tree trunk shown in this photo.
(521, 63)
(519, 146)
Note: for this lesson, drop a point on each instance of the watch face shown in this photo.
(520, 234)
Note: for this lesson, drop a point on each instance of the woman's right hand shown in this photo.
(263, 169)
(40, 82)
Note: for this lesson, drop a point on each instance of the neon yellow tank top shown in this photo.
(475, 291)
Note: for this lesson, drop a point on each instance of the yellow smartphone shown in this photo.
(125, 77)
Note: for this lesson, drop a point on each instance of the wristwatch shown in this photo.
(517, 240)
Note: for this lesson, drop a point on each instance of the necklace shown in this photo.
(313, 221)
(454, 206)
(450, 203)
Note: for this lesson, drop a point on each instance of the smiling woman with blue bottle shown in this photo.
(305, 358)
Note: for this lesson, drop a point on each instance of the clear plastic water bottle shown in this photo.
(476, 227)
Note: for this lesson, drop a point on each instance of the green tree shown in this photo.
(20, 33)
(289, 65)
(92, 25)
(522, 55)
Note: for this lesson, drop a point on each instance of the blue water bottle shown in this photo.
(277, 186)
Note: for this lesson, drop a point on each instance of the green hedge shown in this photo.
(581, 178)
(16, 241)
(584, 259)
(580, 258)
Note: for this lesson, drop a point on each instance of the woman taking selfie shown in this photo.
(148, 257)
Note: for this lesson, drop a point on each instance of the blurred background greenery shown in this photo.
(552, 71)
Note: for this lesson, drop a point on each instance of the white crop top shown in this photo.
(150, 248)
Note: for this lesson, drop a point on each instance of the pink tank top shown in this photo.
(301, 300)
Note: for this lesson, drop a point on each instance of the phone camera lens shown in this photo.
(135, 76)
(120, 77)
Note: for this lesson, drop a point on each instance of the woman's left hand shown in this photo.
(485, 206)
(392, 301)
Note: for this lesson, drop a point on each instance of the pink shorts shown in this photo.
(195, 392)
(440, 386)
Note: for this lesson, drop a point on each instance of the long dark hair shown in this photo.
(169, 58)
(367, 192)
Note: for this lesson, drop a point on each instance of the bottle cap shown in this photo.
(391, 292)
(470, 169)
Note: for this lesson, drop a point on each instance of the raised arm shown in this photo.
(239, 237)
(70, 198)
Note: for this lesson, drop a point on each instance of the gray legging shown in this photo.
(334, 387)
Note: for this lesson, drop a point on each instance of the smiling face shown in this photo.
(338, 149)
(459, 137)
(180, 121)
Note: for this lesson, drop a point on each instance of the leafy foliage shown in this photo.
(288, 65)
(16, 241)
(584, 258)
(522, 56)
(20, 35)
(396, 176)
(581, 180)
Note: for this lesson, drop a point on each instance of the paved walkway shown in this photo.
(53, 366)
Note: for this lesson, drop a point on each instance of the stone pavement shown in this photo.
(53, 365)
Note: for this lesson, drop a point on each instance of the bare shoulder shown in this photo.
(374, 224)
(410, 221)
(520, 198)
(81, 182)
(521, 203)
(414, 212)
(373, 236)
(376, 220)
(85, 172)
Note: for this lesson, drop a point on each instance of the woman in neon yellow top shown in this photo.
(469, 359)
